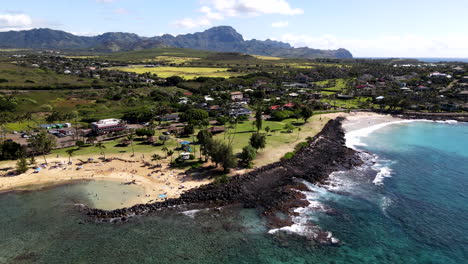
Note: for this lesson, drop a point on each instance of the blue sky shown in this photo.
(399, 28)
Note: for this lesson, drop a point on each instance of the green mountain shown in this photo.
(220, 39)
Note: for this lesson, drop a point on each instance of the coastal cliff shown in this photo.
(272, 187)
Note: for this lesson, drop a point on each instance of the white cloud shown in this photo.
(221, 9)
(280, 24)
(15, 22)
(253, 7)
(121, 11)
(192, 23)
(407, 45)
(106, 1)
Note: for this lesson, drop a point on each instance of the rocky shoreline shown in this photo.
(272, 188)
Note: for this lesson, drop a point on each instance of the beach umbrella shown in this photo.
(185, 142)
(38, 169)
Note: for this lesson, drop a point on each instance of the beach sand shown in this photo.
(359, 120)
(154, 181)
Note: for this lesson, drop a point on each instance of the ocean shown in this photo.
(408, 204)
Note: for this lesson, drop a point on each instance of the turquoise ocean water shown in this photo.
(414, 211)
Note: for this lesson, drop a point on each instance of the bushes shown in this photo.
(248, 154)
(288, 156)
(281, 115)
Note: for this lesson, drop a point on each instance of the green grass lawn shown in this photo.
(30, 78)
(112, 147)
(355, 103)
(278, 141)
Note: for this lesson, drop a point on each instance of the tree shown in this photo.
(306, 113)
(222, 153)
(289, 128)
(155, 157)
(258, 119)
(130, 139)
(42, 143)
(189, 130)
(79, 143)
(164, 139)
(204, 138)
(70, 154)
(258, 141)
(170, 153)
(165, 150)
(101, 147)
(248, 154)
(144, 132)
(197, 117)
(22, 165)
(267, 129)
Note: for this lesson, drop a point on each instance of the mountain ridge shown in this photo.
(219, 39)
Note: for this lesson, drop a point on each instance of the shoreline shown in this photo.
(153, 181)
(272, 187)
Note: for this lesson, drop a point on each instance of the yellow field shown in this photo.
(187, 73)
(266, 58)
(171, 59)
(81, 57)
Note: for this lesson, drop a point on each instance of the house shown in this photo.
(344, 96)
(463, 95)
(237, 96)
(107, 126)
(314, 95)
(464, 79)
(240, 112)
(216, 129)
(208, 98)
(171, 117)
(188, 94)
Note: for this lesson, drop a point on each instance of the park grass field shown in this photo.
(279, 142)
(187, 73)
(356, 103)
(16, 77)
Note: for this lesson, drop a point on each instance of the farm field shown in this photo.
(187, 73)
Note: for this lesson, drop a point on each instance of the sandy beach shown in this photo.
(155, 181)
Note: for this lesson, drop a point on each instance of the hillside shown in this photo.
(219, 39)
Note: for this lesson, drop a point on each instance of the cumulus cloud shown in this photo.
(280, 24)
(15, 22)
(220, 9)
(406, 45)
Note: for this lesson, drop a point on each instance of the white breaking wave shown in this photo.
(384, 172)
(302, 224)
(191, 213)
(353, 138)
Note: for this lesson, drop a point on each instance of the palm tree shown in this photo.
(165, 150)
(155, 157)
(101, 147)
(170, 153)
(70, 154)
(298, 132)
(130, 139)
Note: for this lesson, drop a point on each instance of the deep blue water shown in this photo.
(417, 215)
